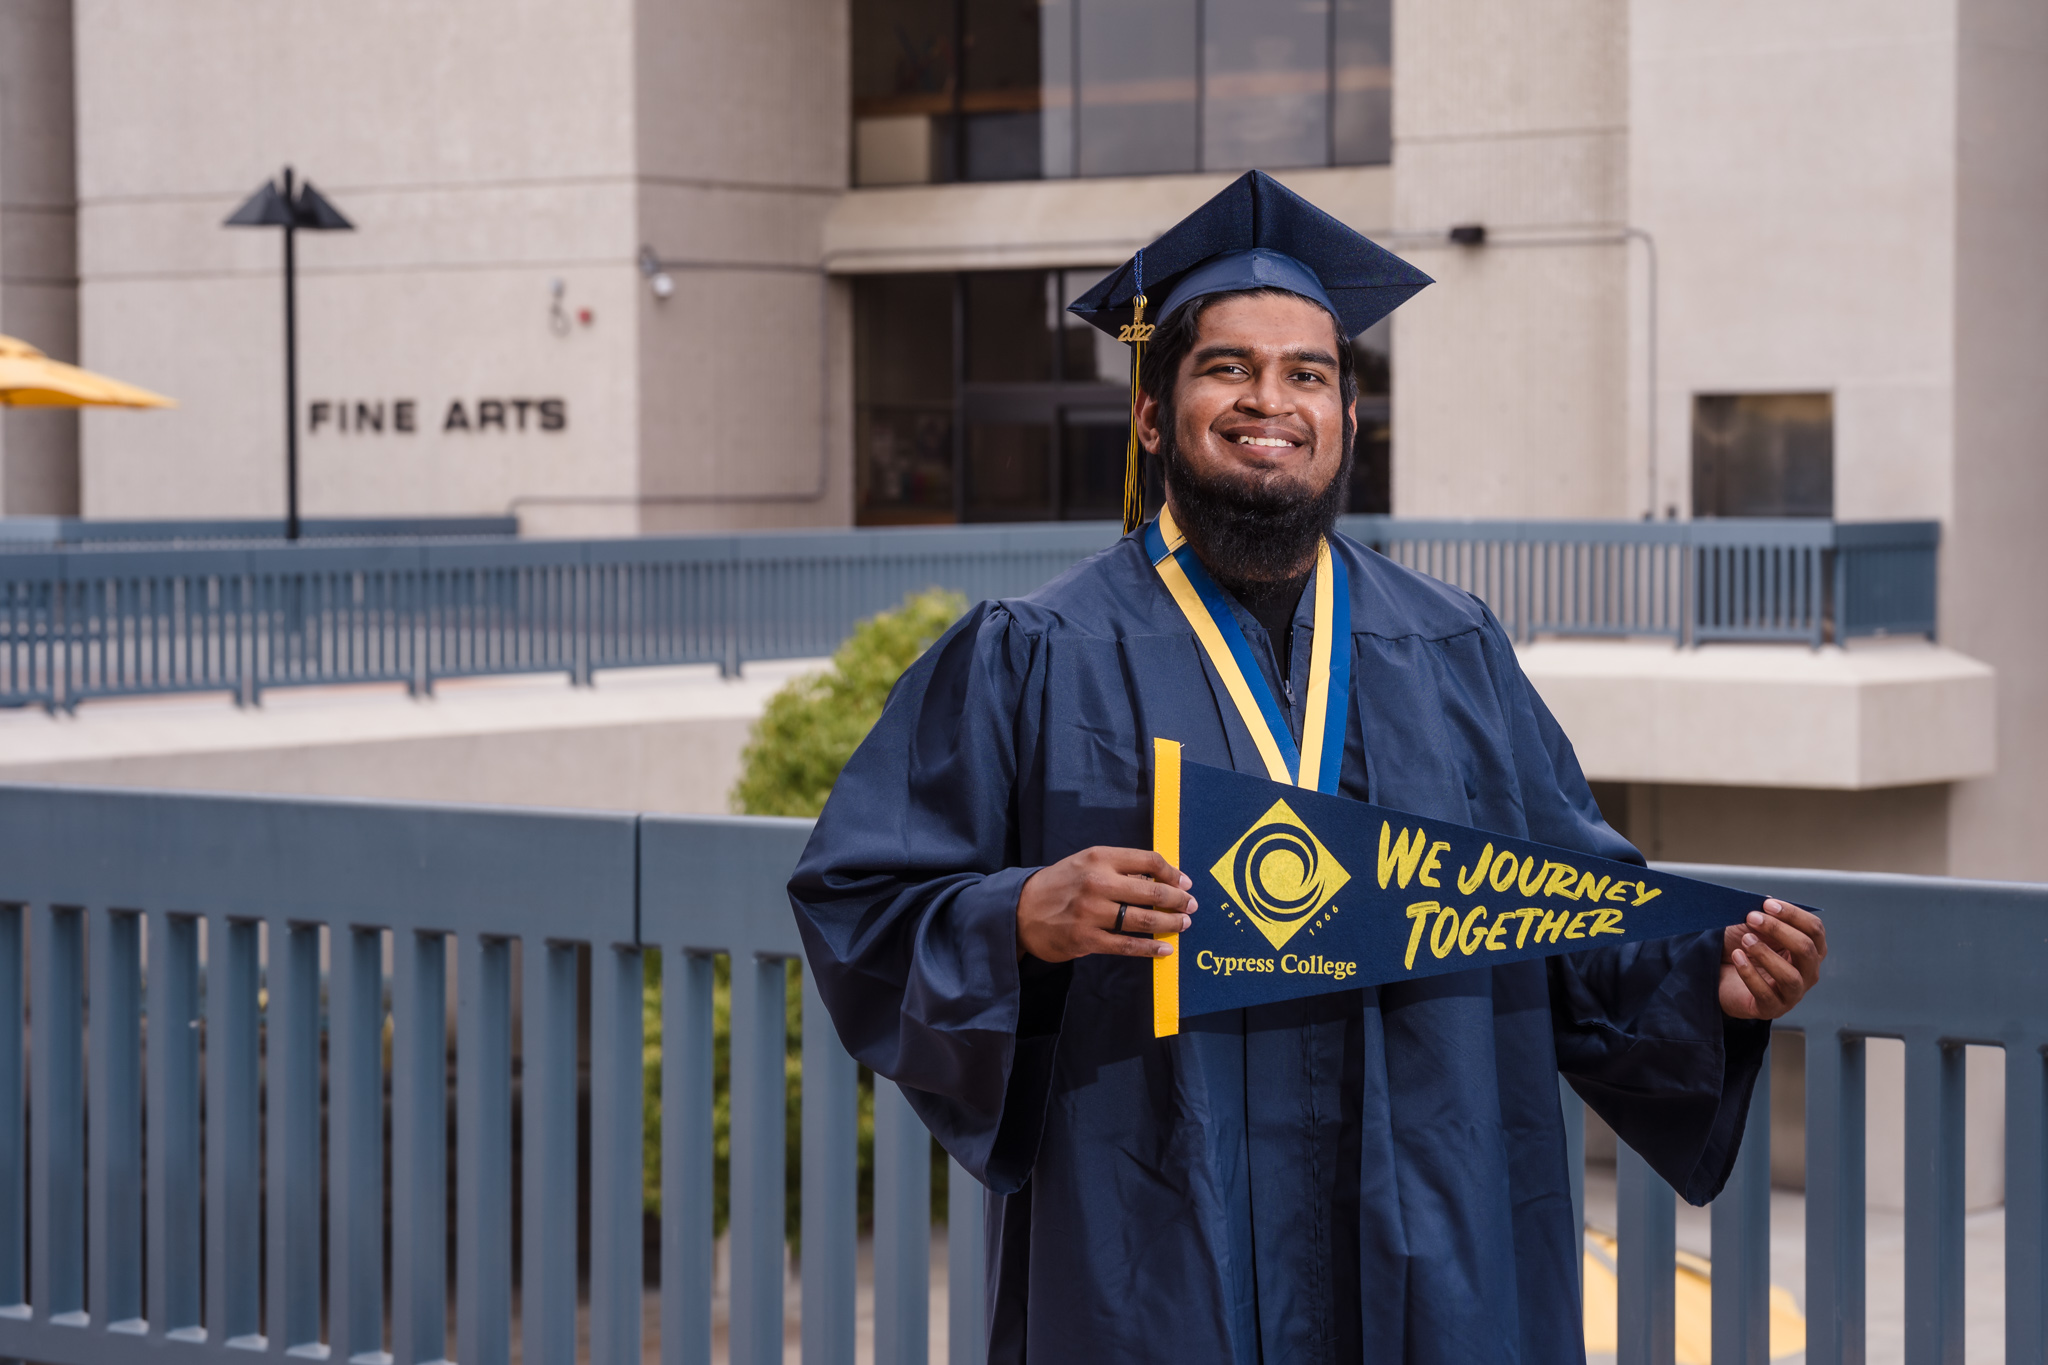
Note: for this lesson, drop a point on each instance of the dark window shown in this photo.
(947, 90)
(903, 399)
(1763, 455)
(1373, 448)
(1362, 71)
(978, 397)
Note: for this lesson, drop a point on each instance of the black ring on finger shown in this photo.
(1121, 911)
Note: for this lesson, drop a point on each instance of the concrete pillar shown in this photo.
(1995, 557)
(741, 117)
(1511, 374)
(38, 245)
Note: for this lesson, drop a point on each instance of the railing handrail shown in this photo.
(85, 531)
(267, 921)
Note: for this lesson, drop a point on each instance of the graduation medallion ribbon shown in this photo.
(1304, 892)
(1319, 759)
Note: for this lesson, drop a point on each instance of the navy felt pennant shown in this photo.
(1304, 892)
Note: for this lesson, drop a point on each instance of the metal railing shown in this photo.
(76, 624)
(42, 532)
(171, 966)
(1791, 579)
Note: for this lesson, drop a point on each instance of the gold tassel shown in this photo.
(1137, 334)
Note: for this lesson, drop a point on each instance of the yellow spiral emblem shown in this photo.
(1279, 874)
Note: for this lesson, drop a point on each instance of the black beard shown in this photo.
(1250, 531)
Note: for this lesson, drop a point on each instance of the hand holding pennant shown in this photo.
(1311, 892)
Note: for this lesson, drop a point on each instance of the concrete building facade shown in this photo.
(645, 266)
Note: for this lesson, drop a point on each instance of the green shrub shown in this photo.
(811, 727)
(805, 735)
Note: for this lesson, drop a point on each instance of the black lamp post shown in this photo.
(294, 209)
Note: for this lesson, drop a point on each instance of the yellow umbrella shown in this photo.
(30, 379)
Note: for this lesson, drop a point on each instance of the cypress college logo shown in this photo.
(1280, 874)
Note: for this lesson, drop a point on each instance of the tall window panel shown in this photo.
(903, 400)
(948, 90)
(1266, 84)
(1362, 80)
(1138, 87)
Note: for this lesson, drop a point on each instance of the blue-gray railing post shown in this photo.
(175, 1140)
(2026, 1198)
(1574, 1111)
(759, 1127)
(903, 1226)
(419, 1147)
(13, 1150)
(114, 1101)
(1742, 1242)
(1934, 1199)
(547, 1102)
(616, 1158)
(687, 1155)
(233, 1271)
(483, 1156)
(966, 1289)
(292, 1103)
(1646, 1262)
(355, 1141)
(1834, 1198)
(57, 1113)
(831, 1177)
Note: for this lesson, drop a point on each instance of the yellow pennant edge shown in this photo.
(1166, 843)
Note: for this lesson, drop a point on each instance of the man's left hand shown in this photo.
(1770, 963)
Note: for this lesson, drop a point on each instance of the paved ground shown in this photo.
(1884, 1268)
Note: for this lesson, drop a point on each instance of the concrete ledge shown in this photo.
(1885, 713)
(658, 739)
(1047, 223)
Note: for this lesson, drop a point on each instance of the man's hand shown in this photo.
(1069, 909)
(1768, 964)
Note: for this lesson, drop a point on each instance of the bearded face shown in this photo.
(1256, 436)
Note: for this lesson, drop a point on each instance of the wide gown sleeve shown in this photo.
(1639, 1028)
(906, 898)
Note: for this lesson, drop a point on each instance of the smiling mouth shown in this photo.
(1268, 441)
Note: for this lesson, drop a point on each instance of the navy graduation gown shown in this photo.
(1372, 1174)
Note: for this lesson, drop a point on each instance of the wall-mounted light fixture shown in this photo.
(660, 281)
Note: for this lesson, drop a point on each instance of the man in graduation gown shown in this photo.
(1373, 1174)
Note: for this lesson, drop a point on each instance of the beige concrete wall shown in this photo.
(1890, 829)
(1996, 558)
(484, 151)
(1796, 165)
(38, 245)
(1511, 374)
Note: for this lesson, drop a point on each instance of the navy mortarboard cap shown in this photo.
(1256, 234)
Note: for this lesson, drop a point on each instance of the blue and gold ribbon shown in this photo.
(1318, 762)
